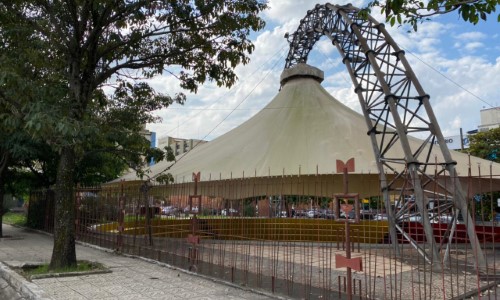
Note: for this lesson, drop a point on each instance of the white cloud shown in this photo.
(473, 46)
(292, 11)
(460, 90)
(473, 35)
(283, 11)
(325, 47)
(427, 39)
(459, 86)
(469, 45)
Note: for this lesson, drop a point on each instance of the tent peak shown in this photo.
(301, 70)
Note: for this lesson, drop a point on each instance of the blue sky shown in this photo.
(457, 63)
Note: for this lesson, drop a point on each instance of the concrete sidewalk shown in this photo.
(131, 278)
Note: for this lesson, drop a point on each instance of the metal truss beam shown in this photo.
(394, 105)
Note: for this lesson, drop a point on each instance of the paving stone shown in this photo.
(131, 278)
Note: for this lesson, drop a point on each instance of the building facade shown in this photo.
(490, 118)
(179, 145)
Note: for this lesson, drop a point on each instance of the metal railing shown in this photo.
(289, 240)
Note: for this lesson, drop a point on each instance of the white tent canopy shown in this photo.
(303, 130)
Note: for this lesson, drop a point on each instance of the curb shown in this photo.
(26, 289)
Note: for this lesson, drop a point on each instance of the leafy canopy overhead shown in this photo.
(92, 54)
(413, 12)
(79, 50)
(100, 39)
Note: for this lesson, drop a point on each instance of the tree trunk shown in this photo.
(64, 253)
(1, 206)
(4, 161)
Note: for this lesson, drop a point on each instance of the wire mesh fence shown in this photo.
(286, 235)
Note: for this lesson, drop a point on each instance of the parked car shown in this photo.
(380, 217)
(229, 212)
(169, 210)
(312, 213)
(411, 218)
(326, 214)
(194, 209)
(350, 215)
(299, 213)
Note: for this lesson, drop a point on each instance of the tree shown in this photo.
(486, 144)
(116, 144)
(86, 44)
(118, 141)
(4, 161)
(13, 139)
(17, 156)
(413, 12)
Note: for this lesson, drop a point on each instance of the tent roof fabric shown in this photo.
(303, 130)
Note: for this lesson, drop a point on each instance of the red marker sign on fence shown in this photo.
(344, 262)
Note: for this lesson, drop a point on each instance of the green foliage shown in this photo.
(14, 218)
(249, 209)
(486, 208)
(33, 163)
(414, 12)
(70, 72)
(376, 202)
(165, 178)
(59, 66)
(486, 144)
(41, 203)
(324, 202)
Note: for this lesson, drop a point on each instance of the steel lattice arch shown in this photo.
(394, 105)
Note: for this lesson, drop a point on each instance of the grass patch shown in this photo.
(83, 268)
(14, 218)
